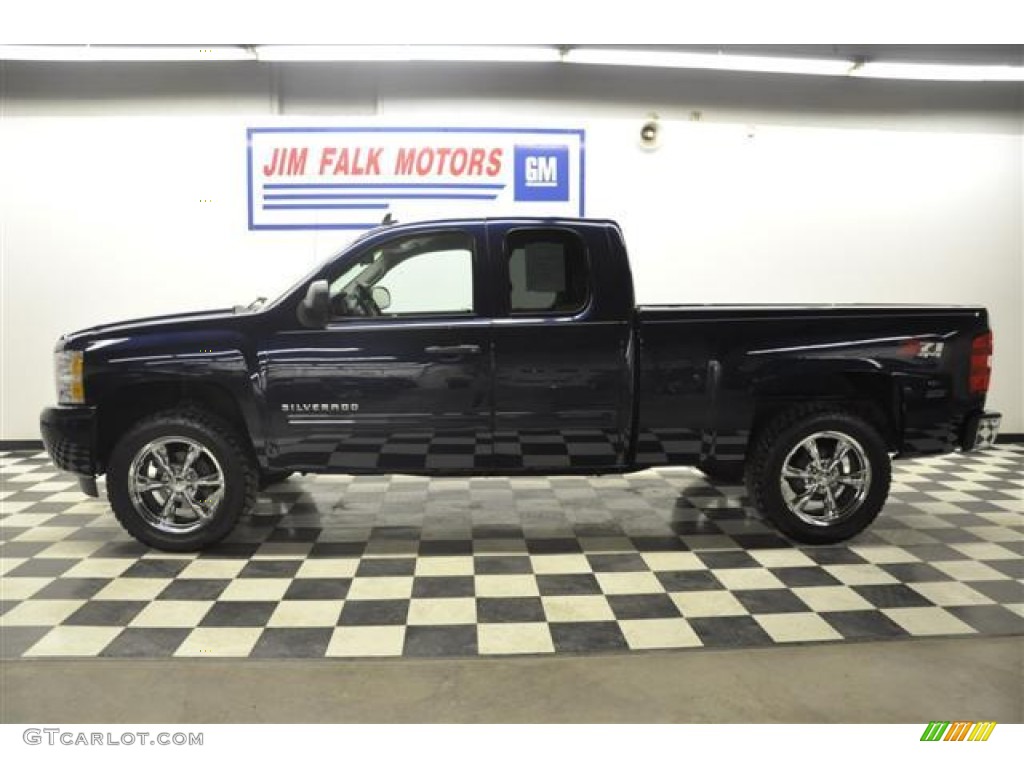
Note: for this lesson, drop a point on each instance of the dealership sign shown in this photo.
(351, 178)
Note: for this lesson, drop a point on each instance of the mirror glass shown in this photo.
(381, 297)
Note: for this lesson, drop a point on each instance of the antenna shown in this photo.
(388, 219)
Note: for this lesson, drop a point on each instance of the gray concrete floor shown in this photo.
(889, 682)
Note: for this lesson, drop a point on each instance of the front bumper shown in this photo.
(69, 435)
(980, 431)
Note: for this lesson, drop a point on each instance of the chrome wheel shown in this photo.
(175, 484)
(825, 478)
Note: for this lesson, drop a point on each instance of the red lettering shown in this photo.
(373, 161)
(286, 161)
(326, 159)
(297, 161)
(442, 158)
(341, 167)
(270, 168)
(459, 159)
(404, 163)
(494, 162)
(423, 168)
(476, 162)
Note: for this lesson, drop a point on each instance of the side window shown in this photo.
(415, 275)
(547, 272)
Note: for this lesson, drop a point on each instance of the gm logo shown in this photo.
(541, 174)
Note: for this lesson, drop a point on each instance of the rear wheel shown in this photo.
(820, 475)
(179, 480)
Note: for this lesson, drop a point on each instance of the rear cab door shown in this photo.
(561, 341)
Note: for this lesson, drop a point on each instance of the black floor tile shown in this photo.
(556, 546)
(770, 601)
(297, 642)
(1012, 568)
(688, 581)
(374, 612)
(14, 641)
(729, 631)
(318, 589)
(913, 573)
(658, 544)
(568, 584)
(70, 589)
(194, 589)
(270, 569)
(440, 641)
(864, 625)
(805, 576)
(612, 563)
(337, 549)
(146, 643)
(488, 565)
(443, 586)
(990, 619)
(239, 613)
(587, 636)
(43, 566)
(106, 613)
(892, 596)
(154, 568)
(935, 553)
(1003, 591)
(388, 566)
(728, 559)
(446, 547)
(833, 556)
(497, 610)
(643, 607)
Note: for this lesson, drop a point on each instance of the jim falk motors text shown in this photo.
(385, 161)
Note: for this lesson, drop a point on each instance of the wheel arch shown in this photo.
(871, 394)
(125, 406)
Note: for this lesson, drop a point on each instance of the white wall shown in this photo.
(102, 212)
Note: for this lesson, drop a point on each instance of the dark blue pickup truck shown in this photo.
(510, 346)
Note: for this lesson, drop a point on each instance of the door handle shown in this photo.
(458, 349)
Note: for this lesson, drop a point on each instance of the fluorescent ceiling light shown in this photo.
(398, 53)
(622, 57)
(124, 53)
(906, 71)
(683, 60)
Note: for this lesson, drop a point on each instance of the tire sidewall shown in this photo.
(185, 426)
(877, 456)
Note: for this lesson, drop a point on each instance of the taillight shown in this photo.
(981, 369)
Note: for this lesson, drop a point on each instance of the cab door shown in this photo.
(400, 378)
(561, 372)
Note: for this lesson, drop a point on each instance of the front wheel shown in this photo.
(822, 476)
(179, 480)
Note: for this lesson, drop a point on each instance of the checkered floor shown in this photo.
(405, 566)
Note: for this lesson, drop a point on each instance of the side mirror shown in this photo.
(314, 310)
(381, 297)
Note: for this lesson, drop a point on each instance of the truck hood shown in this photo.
(159, 323)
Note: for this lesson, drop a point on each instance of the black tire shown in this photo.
(221, 443)
(781, 439)
(268, 479)
(725, 472)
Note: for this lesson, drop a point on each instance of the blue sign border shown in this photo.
(250, 132)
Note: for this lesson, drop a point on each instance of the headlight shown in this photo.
(70, 368)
